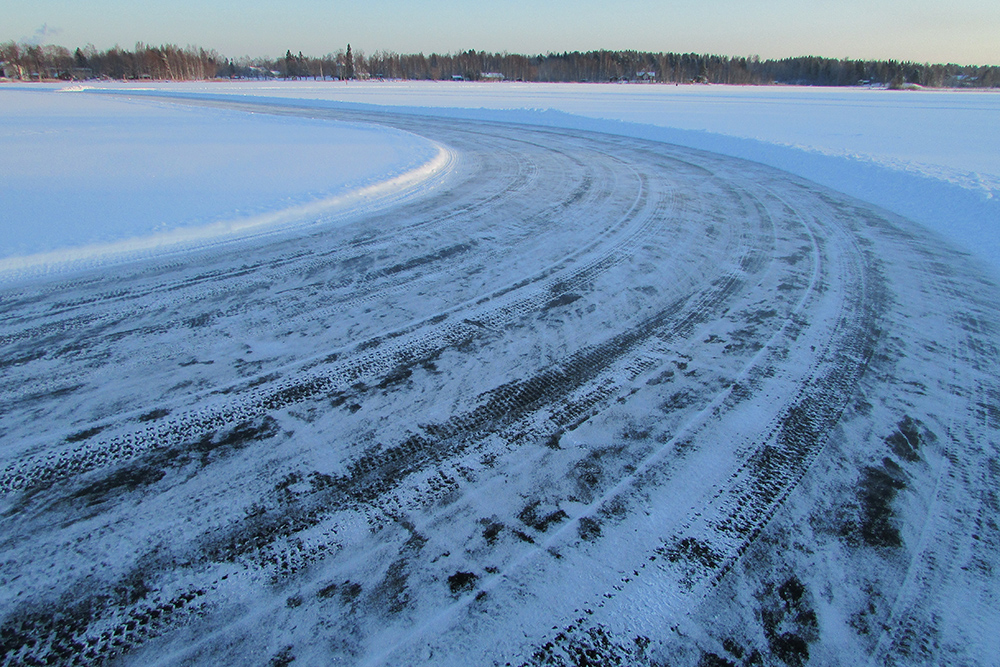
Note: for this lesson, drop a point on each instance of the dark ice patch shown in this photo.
(876, 491)
(127, 478)
(692, 550)
(589, 529)
(905, 442)
(789, 621)
(491, 529)
(237, 436)
(85, 434)
(154, 414)
(462, 582)
(561, 300)
(538, 519)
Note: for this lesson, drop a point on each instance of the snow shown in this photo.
(593, 395)
(954, 129)
(84, 177)
(932, 156)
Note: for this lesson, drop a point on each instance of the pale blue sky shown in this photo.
(962, 31)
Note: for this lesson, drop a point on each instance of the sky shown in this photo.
(961, 31)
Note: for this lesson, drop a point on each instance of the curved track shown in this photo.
(591, 401)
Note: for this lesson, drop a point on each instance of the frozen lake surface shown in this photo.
(570, 393)
(932, 155)
(82, 176)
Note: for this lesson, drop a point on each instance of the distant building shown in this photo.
(491, 76)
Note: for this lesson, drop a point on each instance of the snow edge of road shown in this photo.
(368, 198)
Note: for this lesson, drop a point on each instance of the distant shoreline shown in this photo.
(24, 62)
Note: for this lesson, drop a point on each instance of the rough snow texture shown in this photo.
(592, 400)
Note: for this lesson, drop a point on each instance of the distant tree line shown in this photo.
(31, 62)
(28, 62)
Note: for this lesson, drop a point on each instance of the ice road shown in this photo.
(589, 400)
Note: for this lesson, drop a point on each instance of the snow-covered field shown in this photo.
(578, 391)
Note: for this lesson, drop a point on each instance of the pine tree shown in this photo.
(349, 65)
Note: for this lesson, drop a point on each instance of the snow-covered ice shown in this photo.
(82, 176)
(932, 155)
(931, 128)
(583, 395)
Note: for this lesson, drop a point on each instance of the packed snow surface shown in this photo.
(930, 128)
(930, 155)
(570, 393)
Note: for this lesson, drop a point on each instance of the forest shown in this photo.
(169, 62)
